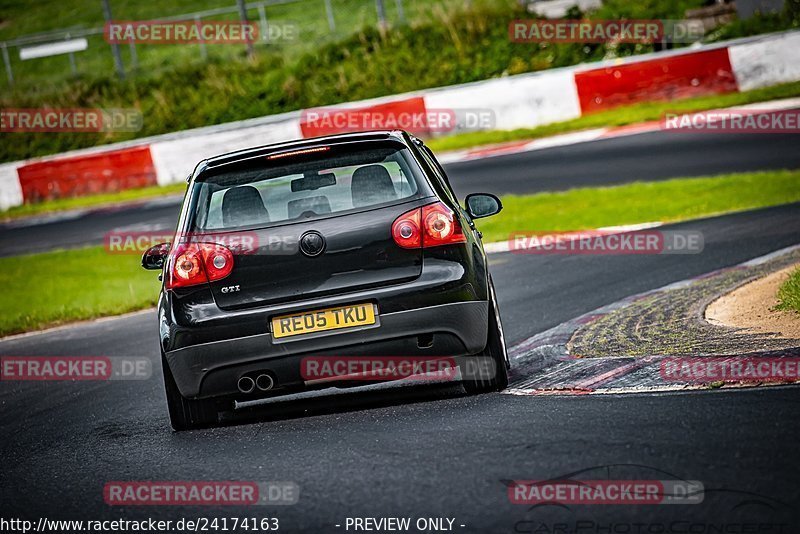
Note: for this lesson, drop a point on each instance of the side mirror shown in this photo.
(482, 205)
(153, 259)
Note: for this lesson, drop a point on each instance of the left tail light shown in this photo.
(190, 264)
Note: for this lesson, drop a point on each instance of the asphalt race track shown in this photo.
(647, 156)
(432, 451)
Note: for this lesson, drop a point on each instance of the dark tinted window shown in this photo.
(266, 191)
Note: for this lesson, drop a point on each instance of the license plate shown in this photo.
(321, 320)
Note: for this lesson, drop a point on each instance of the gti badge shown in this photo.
(312, 244)
(231, 289)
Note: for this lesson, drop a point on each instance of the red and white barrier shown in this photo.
(175, 159)
(521, 101)
(672, 77)
(73, 176)
(10, 189)
(765, 62)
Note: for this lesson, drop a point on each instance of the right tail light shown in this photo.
(429, 226)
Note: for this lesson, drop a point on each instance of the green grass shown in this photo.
(667, 201)
(63, 286)
(308, 15)
(47, 289)
(618, 117)
(105, 199)
(649, 111)
(471, 43)
(175, 88)
(789, 293)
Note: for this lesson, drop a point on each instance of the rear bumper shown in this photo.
(212, 369)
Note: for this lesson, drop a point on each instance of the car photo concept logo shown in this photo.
(581, 504)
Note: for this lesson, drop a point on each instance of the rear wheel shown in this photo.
(186, 414)
(496, 350)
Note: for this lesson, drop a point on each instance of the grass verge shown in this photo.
(622, 116)
(789, 293)
(62, 286)
(88, 282)
(92, 201)
(318, 68)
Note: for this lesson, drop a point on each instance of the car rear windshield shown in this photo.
(304, 184)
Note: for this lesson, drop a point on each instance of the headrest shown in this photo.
(372, 184)
(242, 206)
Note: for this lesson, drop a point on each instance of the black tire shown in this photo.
(186, 414)
(496, 350)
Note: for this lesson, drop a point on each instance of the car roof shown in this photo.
(381, 135)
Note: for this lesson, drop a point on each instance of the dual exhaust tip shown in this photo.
(263, 382)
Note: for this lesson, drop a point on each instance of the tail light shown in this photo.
(190, 264)
(429, 226)
(406, 229)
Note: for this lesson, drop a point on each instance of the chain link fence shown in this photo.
(290, 27)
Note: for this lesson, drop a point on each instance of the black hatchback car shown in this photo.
(340, 248)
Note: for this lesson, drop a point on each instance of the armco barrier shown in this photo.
(175, 157)
(679, 76)
(104, 172)
(765, 62)
(10, 190)
(521, 101)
